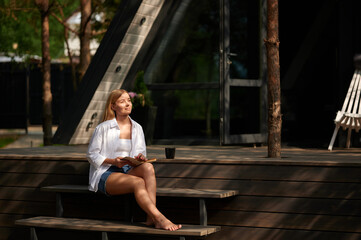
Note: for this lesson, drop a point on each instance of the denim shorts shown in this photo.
(106, 174)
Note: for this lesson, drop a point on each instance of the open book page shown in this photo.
(137, 162)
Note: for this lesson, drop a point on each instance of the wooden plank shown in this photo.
(38, 180)
(27, 207)
(39, 166)
(260, 172)
(317, 198)
(314, 222)
(24, 194)
(270, 204)
(196, 193)
(7, 220)
(12, 233)
(66, 188)
(108, 212)
(226, 234)
(205, 155)
(357, 99)
(271, 188)
(287, 221)
(278, 234)
(113, 226)
(255, 172)
(53, 153)
(288, 205)
(169, 192)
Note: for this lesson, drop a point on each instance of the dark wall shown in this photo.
(319, 39)
(61, 88)
(13, 96)
(21, 88)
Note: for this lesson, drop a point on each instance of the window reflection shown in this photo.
(244, 39)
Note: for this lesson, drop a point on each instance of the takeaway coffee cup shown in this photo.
(170, 152)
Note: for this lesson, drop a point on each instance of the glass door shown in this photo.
(242, 83)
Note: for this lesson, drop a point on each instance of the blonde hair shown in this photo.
(113, 97)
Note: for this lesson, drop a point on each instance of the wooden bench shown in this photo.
(201, 194)
(104, 227)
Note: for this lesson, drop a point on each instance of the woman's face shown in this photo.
(123, 105)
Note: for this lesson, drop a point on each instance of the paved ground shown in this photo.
(34, 138)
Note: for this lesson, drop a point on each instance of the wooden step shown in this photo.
(164, 192)
(201, 194)
(113, 226)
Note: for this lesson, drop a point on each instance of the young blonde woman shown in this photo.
(119, 136)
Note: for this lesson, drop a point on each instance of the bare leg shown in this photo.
(146, 171)
(119, 183)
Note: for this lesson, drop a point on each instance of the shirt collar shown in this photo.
(114, 123)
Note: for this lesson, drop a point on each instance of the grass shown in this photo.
(5, 140)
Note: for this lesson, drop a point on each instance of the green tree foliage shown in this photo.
(141, 89)
(106, 9)
(20, 30)
(20, 26)
(18, 34)
(139, 86)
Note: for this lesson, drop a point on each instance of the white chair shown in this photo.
(350, 116)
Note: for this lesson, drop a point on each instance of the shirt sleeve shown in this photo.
(95, 146)
(139, 141)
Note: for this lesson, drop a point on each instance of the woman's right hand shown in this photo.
(119, 162)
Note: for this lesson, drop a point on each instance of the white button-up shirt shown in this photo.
(102, 145)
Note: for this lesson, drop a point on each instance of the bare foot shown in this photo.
(149, 221)
(164, 223)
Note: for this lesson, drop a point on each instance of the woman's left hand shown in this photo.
(141, 157)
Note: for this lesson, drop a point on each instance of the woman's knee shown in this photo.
(148, 167)
(138, 182)
(122, 183)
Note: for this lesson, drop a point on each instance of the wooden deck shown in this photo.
(306, 194)
(205, 154)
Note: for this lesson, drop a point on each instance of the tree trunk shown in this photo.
(274, 89)
(43, 6)
(85, 36)
(73, 70)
